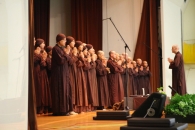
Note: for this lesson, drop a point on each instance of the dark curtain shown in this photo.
(32, 121)
(147, 41)
(41, 19)
(87, 22)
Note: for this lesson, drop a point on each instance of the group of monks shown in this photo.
(70, 78)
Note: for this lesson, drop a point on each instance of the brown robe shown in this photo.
(115, 82)
(103, 92)
(131, 90)
(36, 75)
(73, 78)
(135, 82)
(88, 80)
(140, 81)
(147, 75)
(93, 85)
(178, 74)
(60, 85)
(46, 93)
(81, 89)
(125, 79)
(48, 61)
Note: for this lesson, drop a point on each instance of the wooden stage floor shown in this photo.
(82, 122)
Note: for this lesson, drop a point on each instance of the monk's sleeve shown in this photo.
(61, 57)
(48, 61)
(43, 62)
(100, 69)
(176, 62)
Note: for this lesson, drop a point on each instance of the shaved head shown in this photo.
(139, 61)
(145, 63)
(112, 54)
(175, 48)
(134, 63)
(100, 54)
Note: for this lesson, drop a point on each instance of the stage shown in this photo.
(82, 122)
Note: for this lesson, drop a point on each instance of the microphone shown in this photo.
(105, 19)
(172, 89)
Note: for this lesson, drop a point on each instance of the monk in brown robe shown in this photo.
(141, 88)
(135, 78)
(91, 80)
(147, 75)
(36, 76)
(60, 83)
(48, 61)
(178, 73)
(43, 90)
(48, 68)
(131, 78)
(81, 89)
(114, 79)
(102, 71)
(72, 70)
(94, 86)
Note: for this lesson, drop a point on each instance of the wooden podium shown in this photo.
(134, 101)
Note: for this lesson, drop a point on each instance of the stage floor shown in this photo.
(82, 122)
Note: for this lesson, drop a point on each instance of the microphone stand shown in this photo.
(126, 76)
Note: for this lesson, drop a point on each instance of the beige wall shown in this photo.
(189, 37)
(126, 16)
(60, 19)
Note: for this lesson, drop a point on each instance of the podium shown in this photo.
(134, 101)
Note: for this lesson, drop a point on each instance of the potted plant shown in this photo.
(182, 108)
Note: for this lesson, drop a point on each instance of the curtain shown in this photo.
(41, 19)
(147, 41)
(86, 19)
(32, 121)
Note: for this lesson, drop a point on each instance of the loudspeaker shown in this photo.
(151, 107)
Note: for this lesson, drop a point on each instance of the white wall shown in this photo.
(126, 15)
(171, 35)
(188, 21)
(13, 64)
(60, 19)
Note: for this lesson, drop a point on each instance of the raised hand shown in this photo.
(67, 49)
